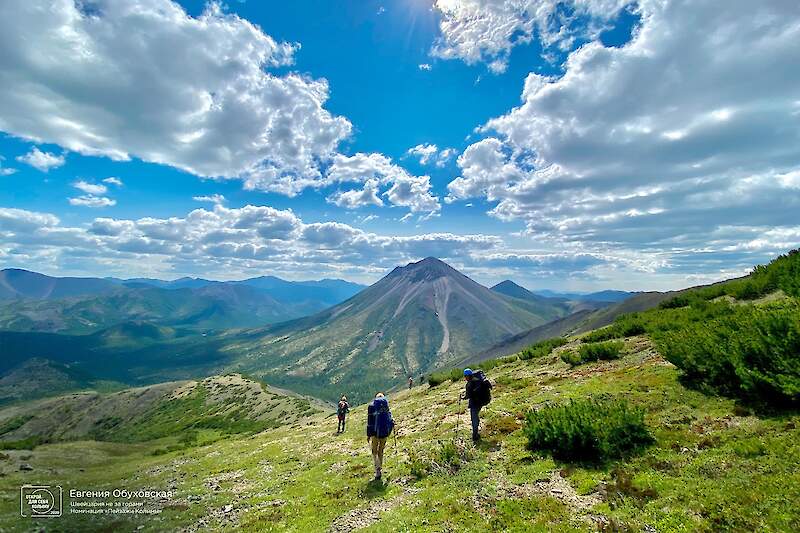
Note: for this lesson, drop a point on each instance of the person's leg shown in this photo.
(344, 421)
(375, 459)
(379, 461)
(474, 413)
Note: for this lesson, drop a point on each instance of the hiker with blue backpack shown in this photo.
(478, 391)
(379, 426)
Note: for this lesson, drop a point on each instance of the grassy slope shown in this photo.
(225, 404)
(713, 467)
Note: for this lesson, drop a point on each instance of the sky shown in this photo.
(564, 144)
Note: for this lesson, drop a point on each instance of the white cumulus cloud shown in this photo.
(376, 170)
(90, 200)
(39, 160)
(487, 30)
(681, 144)
(94, 195)
(213, 198)
(428, 153)
(212, 107)
(91, 188)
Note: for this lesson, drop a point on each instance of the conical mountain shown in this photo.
(416, 319)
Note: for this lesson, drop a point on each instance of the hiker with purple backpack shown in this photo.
(379, 426)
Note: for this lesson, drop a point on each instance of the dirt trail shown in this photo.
(555, 486)
(363, 516)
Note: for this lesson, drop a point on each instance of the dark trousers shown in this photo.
(341, 425)
(474, 413)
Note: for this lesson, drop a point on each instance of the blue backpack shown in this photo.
(383, 418)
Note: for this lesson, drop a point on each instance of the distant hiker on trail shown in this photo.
(341, 413)
(410, 382)
(479, 393)
(379, 427)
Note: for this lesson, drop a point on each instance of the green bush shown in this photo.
(571, 357)
(28, 443)
(624, 326)
(453, 374)
(587, 430)
(593, 352)
(542, 348)
(418, 464)
(450, 456)
(600, 335)
(604, 351)
(749, 352)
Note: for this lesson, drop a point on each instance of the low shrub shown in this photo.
(624, 326)
(571, 357)
(418, 464)
(28, 443)
(604, 351)
(600, 335)
(450, 456)
(595, 351)
(750, 352)
(542, 348)
(453, 374)
(587, 430)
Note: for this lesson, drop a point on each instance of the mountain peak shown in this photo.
(427, 269)
(507, 283)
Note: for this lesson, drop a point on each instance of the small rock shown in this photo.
(194, 498)
(25, 467)
(556, 491)
(227, 509)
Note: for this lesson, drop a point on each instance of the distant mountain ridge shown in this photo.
(34, 302)
(600, 296)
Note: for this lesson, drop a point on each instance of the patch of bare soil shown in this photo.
(364, 516)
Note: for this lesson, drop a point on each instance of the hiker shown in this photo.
(379, 427)
(341, 412)
(410, 382)
(478, 391)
